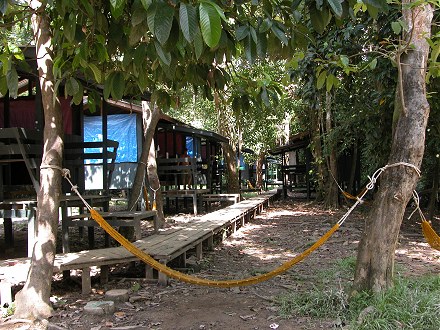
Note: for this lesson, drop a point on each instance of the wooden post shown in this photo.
(86, 281)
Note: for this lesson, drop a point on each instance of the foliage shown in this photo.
(413, 303)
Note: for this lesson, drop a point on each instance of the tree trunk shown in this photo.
(316, 149)
(375, 260)
(153, 181)
(332, 194)
(150, 118)
(229, 153)
(32, 302)
(353, 169)
(259, 170)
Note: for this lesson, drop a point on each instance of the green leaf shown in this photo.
(321, 79)
(320, 19)
(96, 72)
(265, 25)
(336, 6)
(210, 24)
(160, 20)
(101, 52)
(280, 34)
(88, 7)
(165, 57)
(188, 21)
(3, 84)
(373, 11)
(344, 60)
(265, 96)
(198, 43)
(71, 87)
(372, 65)
(12, 81)
(250, 49)
(262, 45)
(146, 4)
(3, 6)
(382, 5)
(397, 28)
(69, 27)
(108, 85)
(117, 7)
(139, 14)
(136, 33)
(241, 32)
(330, 82)
(78, 96)
(118, 86)
(217, 8)
(253, 34)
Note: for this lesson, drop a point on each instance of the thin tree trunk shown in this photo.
(153, 181)
(317, 151)
(354, 163)
(375, 261)
(150, 118)
(259, 170)
(332, 195)
(32, 301)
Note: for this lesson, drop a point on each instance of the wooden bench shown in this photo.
(210, 198)
(115, 218)
(184, 194)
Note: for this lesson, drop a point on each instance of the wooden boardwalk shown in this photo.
(164, 246)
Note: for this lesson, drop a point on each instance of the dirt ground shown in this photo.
(275, 236)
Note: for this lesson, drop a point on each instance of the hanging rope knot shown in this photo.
(65, 173)
(155, 190)
(414, 167)
(51, 166)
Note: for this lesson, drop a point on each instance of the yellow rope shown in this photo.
(201, 281)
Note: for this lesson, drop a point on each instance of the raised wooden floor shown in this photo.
(164, 246)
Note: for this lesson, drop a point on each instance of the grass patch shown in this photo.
(413, 303)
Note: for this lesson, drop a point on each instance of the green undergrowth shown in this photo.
(413, 302)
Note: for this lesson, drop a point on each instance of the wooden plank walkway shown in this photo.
(164, 246)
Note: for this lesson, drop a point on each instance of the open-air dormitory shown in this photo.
(102, 150)
(298, 168)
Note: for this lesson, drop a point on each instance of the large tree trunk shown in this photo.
(150, 118)
(332, 194)
(233, 185)
(375, 261)
(32, 301)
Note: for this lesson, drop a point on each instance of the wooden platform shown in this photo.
(164, 246)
